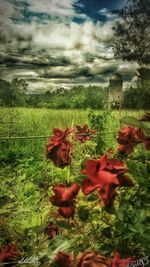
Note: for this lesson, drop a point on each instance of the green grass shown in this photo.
(40, 122)
(34, 122)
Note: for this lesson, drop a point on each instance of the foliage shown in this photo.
(98, 122)
(77, 97)
(136, 97)
(132, 32)
(13, 93)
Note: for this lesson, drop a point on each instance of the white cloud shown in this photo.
(104, 31)
(106, 13)
(56, 8)
(52, 7)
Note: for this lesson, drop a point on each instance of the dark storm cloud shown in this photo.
(55, 42)
(89, 58)
(72, 73)
(33, 63)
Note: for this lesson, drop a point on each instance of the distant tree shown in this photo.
(132, 32)
(19, 87)
(95, 97)
(13, 93)
(137, 97)
(6, 93)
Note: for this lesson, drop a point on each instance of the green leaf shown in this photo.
(138, 228)
(110, 210)
(120, 226)
(63, 224)
(36, 220)
(107, 232)
(58, 243)
(141, 215)
(83, 213)
(131, 121)
(145, 125)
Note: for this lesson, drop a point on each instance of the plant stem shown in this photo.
(94, 231)
(80, 231)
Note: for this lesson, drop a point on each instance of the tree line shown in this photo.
(14, 94)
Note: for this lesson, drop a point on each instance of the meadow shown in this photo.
(30, 122)
(27, 179)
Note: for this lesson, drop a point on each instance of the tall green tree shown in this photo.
(132, 32)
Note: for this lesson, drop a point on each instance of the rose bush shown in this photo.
(92, 210)
(104, 175)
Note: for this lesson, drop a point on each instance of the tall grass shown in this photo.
(34, 122)
(40, 122)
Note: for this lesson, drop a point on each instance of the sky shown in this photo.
(60, 43)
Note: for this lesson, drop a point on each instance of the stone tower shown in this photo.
(115, 90)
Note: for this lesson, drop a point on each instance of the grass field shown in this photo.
(31, 121)
(35, 122)
(40, 122)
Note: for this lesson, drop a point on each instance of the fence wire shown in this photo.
(11, 138)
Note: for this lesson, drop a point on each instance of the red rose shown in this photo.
(60, 154)
(107, 196)
(147, 143)
(63, 198)
(126, 139)
(91, 259)
(126, 135)
(105, 174)
(67, 212)
(63, 260)
(51, 230)
(143, 138)
(60, 134)
(117, 166)
(84, 133)
(9, 253)
(59, 148)
(64, 195)
(118, 262)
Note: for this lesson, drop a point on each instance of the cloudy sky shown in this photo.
(53, 43)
